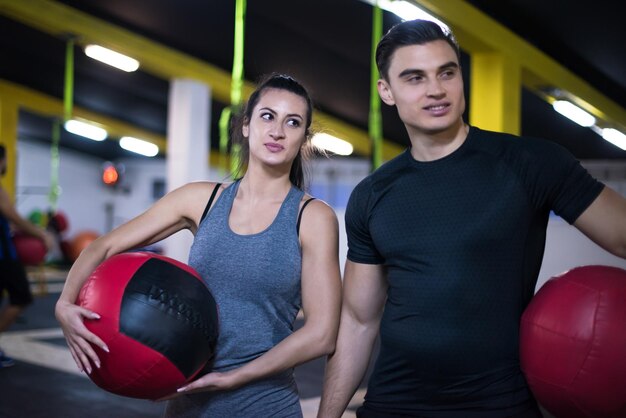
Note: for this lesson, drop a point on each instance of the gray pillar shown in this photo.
(188, 122)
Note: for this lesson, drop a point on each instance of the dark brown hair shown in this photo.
(410, 32)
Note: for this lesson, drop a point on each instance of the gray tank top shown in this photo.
(255, 280)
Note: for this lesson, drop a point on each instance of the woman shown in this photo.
(262, 255)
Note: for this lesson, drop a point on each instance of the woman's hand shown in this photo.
(78, 337)
(210, 382)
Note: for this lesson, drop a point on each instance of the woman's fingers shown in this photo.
(88, 355)
(80, 340)
(79, 364)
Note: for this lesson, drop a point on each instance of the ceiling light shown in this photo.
(332, 144)
(139, 146)
(112, 58)
(85, 129)
(574, 113)
(407, 10)
(615, 137)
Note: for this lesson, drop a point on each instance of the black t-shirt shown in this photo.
(462, 239)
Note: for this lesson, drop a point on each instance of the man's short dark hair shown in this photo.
(3, 152)
(410, 32)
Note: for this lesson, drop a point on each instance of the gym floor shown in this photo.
(46, 383)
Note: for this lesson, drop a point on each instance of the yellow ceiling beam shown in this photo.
(477, 32)
(16, 96)
(157, 59)
(60, 21)
(48, 106)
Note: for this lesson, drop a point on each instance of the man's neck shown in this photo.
(434, 146)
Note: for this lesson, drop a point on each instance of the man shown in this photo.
(12, 275)
(445, 243)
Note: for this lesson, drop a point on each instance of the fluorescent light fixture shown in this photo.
(615, 137)
(112, 58)
(139, 146)
(85, 129)
(332, 144)
(574, 113)
(407, 10)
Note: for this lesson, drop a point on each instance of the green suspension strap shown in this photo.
(55, 190)
(68, 94)
(224, 123)
(68, 98)
(236, 89)
(375, 125)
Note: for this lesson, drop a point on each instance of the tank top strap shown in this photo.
(291, 207)
(230, 192)
(222, 204)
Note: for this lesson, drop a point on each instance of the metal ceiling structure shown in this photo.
(540, 49)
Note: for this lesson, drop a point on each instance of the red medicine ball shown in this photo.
(157, 318)
(31, 251)
(573, 343)
(59, 222)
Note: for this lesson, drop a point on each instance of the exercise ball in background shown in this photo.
(78, 243)
(37, 217)
(157, 318)
(573, 343)
(31, 251)
(58, 221)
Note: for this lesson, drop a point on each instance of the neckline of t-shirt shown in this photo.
(460, 150)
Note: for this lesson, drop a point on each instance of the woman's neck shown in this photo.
(260, 185)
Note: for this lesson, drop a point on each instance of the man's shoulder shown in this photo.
(505, 138)
(368, 191)
(389, 170)
(492, 141)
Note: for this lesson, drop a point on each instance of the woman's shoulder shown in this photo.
(316, 208)
(196, 193)
(203, 186)
(317, 223)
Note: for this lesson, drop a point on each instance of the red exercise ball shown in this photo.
(573, 343)
(31, 251)
(79, 243)
(59, 222)
(157, 318)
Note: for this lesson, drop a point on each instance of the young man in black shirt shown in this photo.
(445, 245)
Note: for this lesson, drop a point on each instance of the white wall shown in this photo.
(567, 247)
(85, 199)
(87, 203)
(83, 196)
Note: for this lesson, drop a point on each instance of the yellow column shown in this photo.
(8, 138)
(495, 92)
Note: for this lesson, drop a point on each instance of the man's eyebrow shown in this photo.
(451, 64)
(417, 71)
(410, 71)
